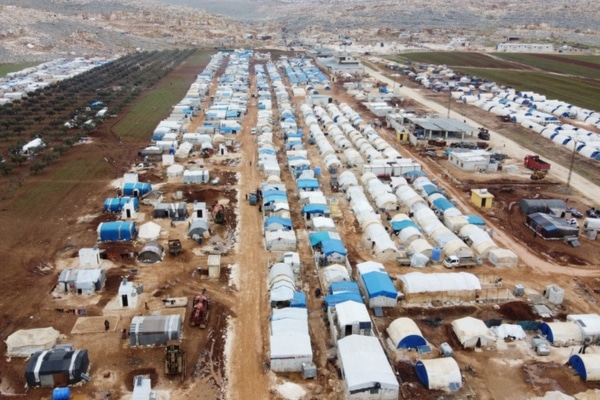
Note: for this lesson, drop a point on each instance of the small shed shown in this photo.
(89, 257)
(58, 367)
(25, 342)
(587, 366)
(472, 332)
(482, 198)
(151, 252)
(214, 266)
(142, 388)
(439, 374)
(405, 334)
(154, 330)
(366, 370)
(128, 294)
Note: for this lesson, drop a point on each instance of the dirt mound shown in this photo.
(517, 311)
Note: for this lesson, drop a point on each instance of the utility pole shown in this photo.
(449, 101)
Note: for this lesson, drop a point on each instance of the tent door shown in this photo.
(124, 300)
(79, 291)
(483, 202)
(478, 345)
(136, 193)
(128, 213)
(348, 330)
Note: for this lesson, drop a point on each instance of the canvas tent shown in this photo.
(587, 366)
(116, 230)
(366, 370)
(418, 287)
(149, 231)
(25, 342)
(565, 333)
(405, 334)
(197, 228)
(472, 332)
(151, 252)
(349, 318)
(59, 367)
(154, 330)
(82, 281)
(439, 374)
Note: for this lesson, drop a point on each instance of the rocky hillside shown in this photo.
(46, 29)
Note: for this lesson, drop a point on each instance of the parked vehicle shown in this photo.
(252, 198)
(535, 163)
(574, 213)
(456, 262)
(593, 213)
(200, 310)
(538, 175)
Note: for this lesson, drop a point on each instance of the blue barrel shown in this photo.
(317, 171)
(436, 254)
(61, 393)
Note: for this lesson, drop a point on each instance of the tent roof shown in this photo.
(286, 222)
(25, 342)
(365, 364)
(289, 346)
(418, 282)
(588, 323)
(468, 327)
(404, 328)
(352, 312)
(439, 373)
(379, 284)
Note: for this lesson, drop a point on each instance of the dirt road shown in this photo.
(585, 188)
(248, 341)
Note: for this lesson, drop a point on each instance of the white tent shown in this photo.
(333, 274)
(289, 341)
(589, 325)
(559, 333)
(472, 332)
(184, 150)
(366, 368)
(503, 257)
(352, 319)
(175, 170)
(439, 374)
(149, 231)
(404, 333)
(25, 342)
(509, 330)
(323, 224)
(280, 240)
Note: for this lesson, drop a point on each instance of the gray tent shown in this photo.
(59, 367)
(151, 253)
(175, 211)
(547, 206)
(197, 228)
(154, 330)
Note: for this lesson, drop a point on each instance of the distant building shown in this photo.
(525, 48)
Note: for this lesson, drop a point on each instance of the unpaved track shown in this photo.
(247, 379)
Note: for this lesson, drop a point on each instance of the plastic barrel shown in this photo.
(61, 393)
(436, 254)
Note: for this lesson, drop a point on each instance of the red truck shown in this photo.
(535, 163)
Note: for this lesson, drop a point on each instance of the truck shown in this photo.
(174, 247)
(175, 359)
(456, 261)
(200, 310)
(535, 163)
(252, 198)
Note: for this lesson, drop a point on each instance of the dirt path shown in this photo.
(247, 379)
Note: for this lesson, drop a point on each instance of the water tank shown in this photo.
(317, 171)
(61, 393)
(436, 254)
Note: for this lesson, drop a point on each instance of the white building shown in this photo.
(525, 48)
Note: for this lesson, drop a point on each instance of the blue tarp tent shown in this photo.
(274, 192)
(443, 204)
(341, 287)
(430, 188)
(115, 204)
(274, 199)
(332, 246)
(116, 230)
(299, 300)
(316, 238)
(307, 184)
(379, 284)
(397, 226)
(475, 219)
(285, 222)
(315, 209)
(586, 366)
(333, 299)
(136, 189)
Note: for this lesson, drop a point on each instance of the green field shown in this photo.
(6, 68)
(146, 112)
(573, 79)
(456, 59)
(582, 66)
